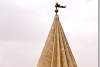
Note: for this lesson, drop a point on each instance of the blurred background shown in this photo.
(25, 24)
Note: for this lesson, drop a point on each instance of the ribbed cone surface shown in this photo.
(56, 52)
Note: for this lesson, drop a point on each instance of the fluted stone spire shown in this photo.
(56, 52)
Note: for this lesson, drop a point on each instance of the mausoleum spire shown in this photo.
(56, 52)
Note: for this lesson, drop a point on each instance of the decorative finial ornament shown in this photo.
(58, 6)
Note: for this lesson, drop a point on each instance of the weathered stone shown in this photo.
(56, 52)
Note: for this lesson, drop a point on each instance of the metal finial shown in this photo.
(58, 6)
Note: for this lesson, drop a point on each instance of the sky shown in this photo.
(25, 24)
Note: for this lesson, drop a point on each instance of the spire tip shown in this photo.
(58, 6)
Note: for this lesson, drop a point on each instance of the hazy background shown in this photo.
(25, 24)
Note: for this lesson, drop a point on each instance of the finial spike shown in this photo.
(58, 6)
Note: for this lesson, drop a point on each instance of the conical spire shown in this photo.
(56, 52)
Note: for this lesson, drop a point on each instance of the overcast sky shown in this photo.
(25, 24)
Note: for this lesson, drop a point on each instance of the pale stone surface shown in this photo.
(56, 52)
